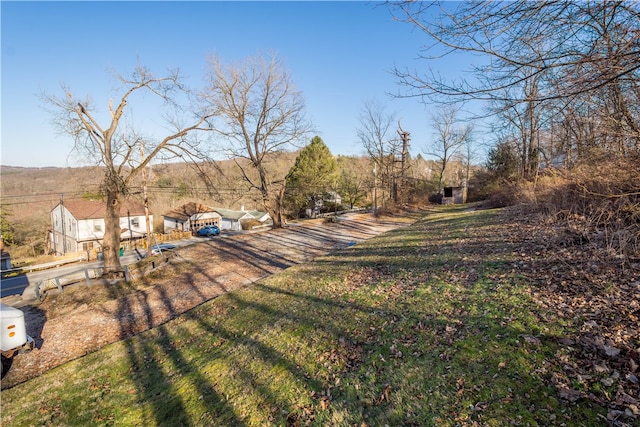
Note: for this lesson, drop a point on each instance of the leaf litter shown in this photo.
(599, 294)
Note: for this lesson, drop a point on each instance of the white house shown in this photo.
(78, 225)
(333, 197)
(190, 217)
(263, 217)
(232, 220)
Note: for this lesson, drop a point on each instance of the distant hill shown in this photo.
(27, 195)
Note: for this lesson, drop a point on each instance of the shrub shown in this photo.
(599, 201)
(249, 224)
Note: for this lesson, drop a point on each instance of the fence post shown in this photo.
(126, 273)
(38, 290)
(58, 284)
(86, 276)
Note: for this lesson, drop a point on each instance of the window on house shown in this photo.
(97, 227)
(135, 222)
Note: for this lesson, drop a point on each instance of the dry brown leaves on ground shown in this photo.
(597, 292)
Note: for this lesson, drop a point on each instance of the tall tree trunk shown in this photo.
(272, 209)
(268, 199)
(111, 240)
(441, 175)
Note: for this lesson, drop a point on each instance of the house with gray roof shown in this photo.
(232, 219)
(263, 217)
(193, 216)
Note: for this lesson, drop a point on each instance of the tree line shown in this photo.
(559, 81)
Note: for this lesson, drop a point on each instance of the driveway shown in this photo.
(84, 319)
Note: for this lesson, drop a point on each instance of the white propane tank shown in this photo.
(14, 331)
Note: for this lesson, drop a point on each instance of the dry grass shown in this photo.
(597, 203)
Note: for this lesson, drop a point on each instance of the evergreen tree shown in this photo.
(503, 161)
(313, 174)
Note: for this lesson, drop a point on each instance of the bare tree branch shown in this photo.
(116, 146)
(259, 113)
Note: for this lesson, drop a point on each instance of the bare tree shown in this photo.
(522, 121)
(536, 37)
(376, 133)
(260, 113)
(535, 57)
(468, 155)
(449, 139)
(116, 148)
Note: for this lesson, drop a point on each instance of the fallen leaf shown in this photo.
(602, 368)
(614, 414)
(569, 394)
(385, 394)
(531, 339)
(567, 341)
(611, 351)
(324, 403)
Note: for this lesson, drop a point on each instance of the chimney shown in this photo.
(242, 208)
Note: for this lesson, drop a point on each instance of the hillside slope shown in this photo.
(464, 318)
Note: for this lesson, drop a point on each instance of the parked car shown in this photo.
(13, 335)
(162, 247)
(209, 230)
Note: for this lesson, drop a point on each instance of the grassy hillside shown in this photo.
(443, 323)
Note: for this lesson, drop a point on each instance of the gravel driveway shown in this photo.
(66, 327)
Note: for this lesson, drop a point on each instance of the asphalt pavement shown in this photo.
(21, 289)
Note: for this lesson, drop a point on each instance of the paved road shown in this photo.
(23, 287)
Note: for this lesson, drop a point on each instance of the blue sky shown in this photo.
(339, 55)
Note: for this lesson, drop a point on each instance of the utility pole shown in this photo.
(375, 188)
(146, 201)
(130, 230)
(405, 137)
(64, 232)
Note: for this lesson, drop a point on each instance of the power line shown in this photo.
(22, 199)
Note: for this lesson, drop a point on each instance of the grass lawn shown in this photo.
(426, 325)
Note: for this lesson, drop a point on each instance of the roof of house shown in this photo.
(185, 212)
(259, 215)
(231, 214)
(94, 209)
